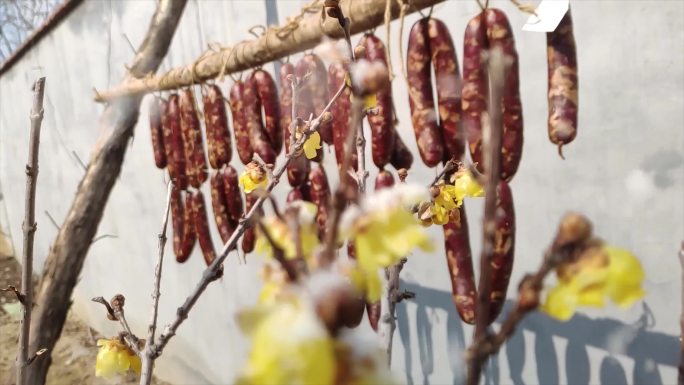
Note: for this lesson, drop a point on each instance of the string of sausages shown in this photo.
(443, 128)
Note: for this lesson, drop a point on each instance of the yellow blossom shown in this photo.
(381, 238)
(465, 185)
(608, 272)
(114, 357)
(367, 283)
(280, 233)
(311, 145)
(444, 204)
(253, 177)
(289, 345)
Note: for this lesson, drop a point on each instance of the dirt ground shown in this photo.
(74, 355)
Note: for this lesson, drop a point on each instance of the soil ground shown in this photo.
(75, 352)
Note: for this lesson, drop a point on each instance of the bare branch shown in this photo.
(146, 357)
(29, 227)
(492, 153)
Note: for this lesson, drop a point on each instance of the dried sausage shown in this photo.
(237, 105)
(423, 114)
(500, 35)
(196, 164)
(258, 136)
(504, 247)
(231, 190)
(314, 92)
(216, 124)
(475, 86)
(320, 196)
(448, 82)
(563, 83)
(183, 228)
(200, 220)
(401, 156)
(219, 206)
(249, 237)
(157, 133)
(341, 113)
(173, 142)
(460, 264)
(382, 122)
(268, 97)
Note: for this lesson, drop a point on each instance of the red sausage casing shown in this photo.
(267, 93)
(448, 82)
(157, 133)
(314, 92)
(423, 114)
(183, 227)
(460, 264)
(475, 86)
(237, 105)
(563, 83)
(258, 137)
(173, 142)
(504, 247)
(216, 123)
(381, 123)
(500, 35)
(196, 164)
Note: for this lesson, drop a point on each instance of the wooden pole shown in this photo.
(276, 43)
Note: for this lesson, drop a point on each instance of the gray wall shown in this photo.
(625, 171)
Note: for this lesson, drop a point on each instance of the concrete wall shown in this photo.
(625, 171)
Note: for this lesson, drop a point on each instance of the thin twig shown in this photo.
(448, 167)
(210, 272)
(146, 357)
(492, 153)
(388, 304)
(29, 228)
(115, 312)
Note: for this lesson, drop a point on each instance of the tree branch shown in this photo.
(492, 153)
(29, 228)
(65, 261)
(146, 356)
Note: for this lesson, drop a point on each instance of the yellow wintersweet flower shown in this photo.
(465, 185)
(290, 345)
(444, 204)
(607, 272)
(383, 232)
(253, 177)
(312, 144)
(368, 283)
(114, 357)
(279, 232)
